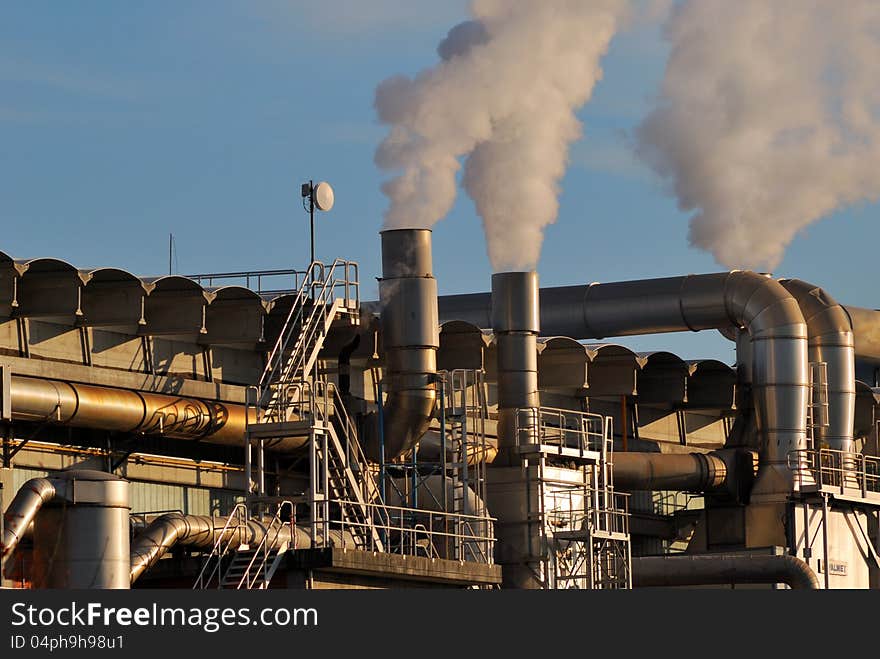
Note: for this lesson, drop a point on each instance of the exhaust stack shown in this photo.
(410, 337)
(516, 322)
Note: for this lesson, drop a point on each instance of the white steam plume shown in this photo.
(505, 96)
(767, 119)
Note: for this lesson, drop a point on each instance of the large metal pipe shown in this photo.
(719, 569)
(410, 339)
(197, 532)
(696, 302)
(831, 341)
(690, 472)
(516, 322)
(22, 510)
(125, 410)
(203, 533)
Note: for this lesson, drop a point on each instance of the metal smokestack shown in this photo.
(516, 322)
(410, 339)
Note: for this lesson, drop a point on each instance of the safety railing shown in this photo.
(304, 324)
(587, 509)
(267, 283)
(552, 426)
(417, 532)
(269, 546)
(827, 468)
(233, 533)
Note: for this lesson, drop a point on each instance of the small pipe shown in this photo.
(719, 569)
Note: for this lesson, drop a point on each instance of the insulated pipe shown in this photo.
(830, 341)
(718, 569)
(691, 472)
(203, 533)
(410, 338)
(22, 510)
(195, 531)
(516, 323)
(125, 410)
(696, 302)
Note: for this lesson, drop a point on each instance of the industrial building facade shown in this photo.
(273, 429)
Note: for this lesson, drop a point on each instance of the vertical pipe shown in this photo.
(825, 541)
(623, 422)
(381, 413)
(516, 324)
(414, 477)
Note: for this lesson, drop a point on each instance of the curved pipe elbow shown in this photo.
(723, 569)
(155, 541)
(406, 417)
(22, 510)
(832, 342)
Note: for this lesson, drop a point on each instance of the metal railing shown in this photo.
(297, 343)
(417, 532)
(269, 548)
(285, 281)
(587, 509)
(226, 542)
(830, 468)
(551, 426)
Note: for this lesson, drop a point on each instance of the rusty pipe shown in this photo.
(124, 410)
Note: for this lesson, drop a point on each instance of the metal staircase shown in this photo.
(341, 475)
(233, 563)
(295, 352)
(465, 412)
(294, 400)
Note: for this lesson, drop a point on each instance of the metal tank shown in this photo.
(81, 536)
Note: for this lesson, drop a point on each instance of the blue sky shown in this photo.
(121, 122)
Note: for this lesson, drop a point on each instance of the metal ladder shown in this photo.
(817, 409)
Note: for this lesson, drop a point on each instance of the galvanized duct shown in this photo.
(696, 302)
(831, 341)
(22, 510)
(720, 569)
(690, 472)
(516, 323)
(410, 338)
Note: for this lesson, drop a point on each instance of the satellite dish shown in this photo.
(323, 196)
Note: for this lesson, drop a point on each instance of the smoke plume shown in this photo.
(767, 119)
(503, 96)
